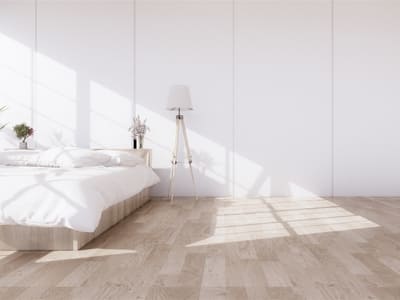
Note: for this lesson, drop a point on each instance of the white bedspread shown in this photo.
(72, 198)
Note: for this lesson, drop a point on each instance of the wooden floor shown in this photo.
(346, 248)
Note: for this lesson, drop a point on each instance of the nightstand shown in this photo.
(144, 153)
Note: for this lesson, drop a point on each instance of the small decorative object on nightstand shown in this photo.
(22, 132)
(138, 131)
(179, 99)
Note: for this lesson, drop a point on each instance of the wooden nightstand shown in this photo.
(146, 154)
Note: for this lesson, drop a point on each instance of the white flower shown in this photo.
(139, 127)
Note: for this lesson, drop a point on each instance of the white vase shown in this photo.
(141, 141)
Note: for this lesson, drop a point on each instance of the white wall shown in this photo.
(367, 97)
(190, 43)
(260, 74)
(17, 31)
(84, 66)
(283, 110)
(78, 75)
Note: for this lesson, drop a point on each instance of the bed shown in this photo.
(47, 208)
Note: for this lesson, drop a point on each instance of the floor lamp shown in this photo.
(179, 100)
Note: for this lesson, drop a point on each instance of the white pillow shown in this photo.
(18, 157)
(72, 158)
(122, 158)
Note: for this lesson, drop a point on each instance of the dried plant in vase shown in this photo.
(138, 131)
(23, 131)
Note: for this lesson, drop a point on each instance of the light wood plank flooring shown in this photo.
(264, 248)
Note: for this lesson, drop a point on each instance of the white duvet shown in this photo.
(67, 197)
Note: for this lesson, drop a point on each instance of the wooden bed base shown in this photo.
(18, 237)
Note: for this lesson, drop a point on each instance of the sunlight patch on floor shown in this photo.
(331, 224)
(82, 254)
(315, 213)
(245, 219)
(4, 254)
(291, 205)
(243, 233)
(242, 210)
(258, 219)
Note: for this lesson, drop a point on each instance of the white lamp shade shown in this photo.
(179, 98)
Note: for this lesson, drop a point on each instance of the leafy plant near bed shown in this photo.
(22, 132)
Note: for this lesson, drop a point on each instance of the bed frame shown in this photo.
(19, 237)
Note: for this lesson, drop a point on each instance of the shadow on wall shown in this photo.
(212, 162)
(81, 93)
(81, 90)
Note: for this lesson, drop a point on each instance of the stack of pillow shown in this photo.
(68, 157)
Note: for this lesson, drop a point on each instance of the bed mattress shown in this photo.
(73, 197)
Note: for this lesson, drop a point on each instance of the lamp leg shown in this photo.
(172, 183)
(189, 155)
(174, 163)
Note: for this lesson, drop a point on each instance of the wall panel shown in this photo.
(17, 32)
(84, 72)
(190, 43)
(283, 105)
(367, 97)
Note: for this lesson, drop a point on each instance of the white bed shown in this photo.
(67, 197)
(71, 199)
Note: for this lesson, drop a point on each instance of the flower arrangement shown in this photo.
(139, 129)
(23, 131)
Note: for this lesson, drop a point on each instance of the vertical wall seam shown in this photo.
(134, 59)
(333, 94)
(233, 159)
(34, 66)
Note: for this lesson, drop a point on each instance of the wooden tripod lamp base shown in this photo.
(179, 99)
(180, 126)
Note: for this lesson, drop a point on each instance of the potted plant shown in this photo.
(22, 132)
